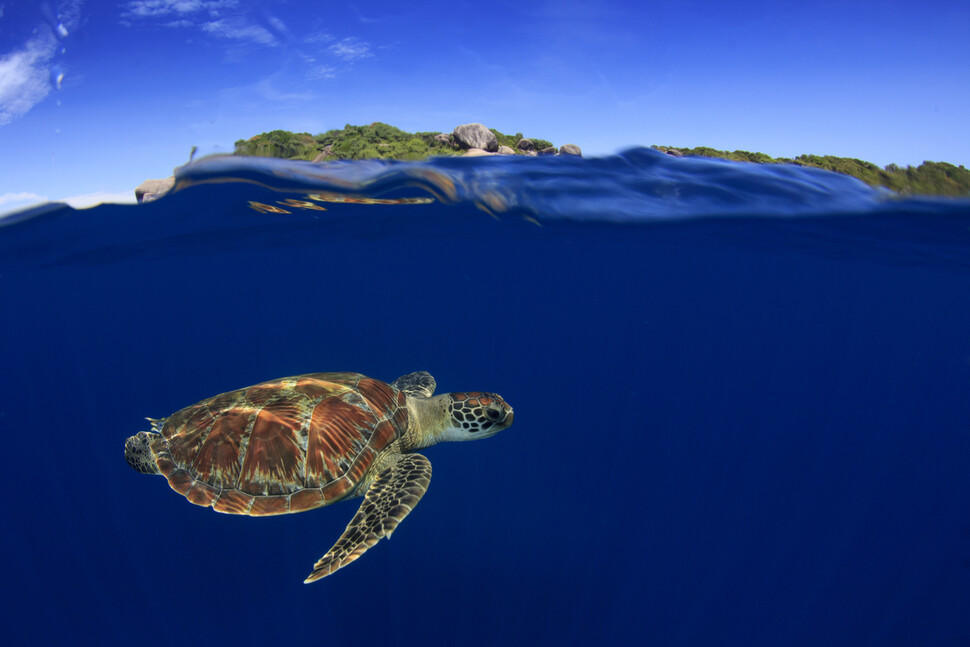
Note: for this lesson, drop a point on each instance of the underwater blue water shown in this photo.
(742, 399)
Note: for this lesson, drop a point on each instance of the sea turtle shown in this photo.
(303, 442)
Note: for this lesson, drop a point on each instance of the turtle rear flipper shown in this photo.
(390, 498)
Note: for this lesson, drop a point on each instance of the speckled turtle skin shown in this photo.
(304, 442)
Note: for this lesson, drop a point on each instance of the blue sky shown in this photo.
(96, 96)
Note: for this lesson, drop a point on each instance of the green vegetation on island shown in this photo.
(376, 141)
(382, 141)
(929, 178)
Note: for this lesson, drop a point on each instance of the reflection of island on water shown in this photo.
(330, 197)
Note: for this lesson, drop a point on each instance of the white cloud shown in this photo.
(322, 72)
(351, 49)
(211, 16)
(152, 8)
(318, 37)
(278, 25)
(25, 78)
(237, 29)
(25, 73)
(239, 24)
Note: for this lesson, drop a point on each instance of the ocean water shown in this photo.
(742, 399)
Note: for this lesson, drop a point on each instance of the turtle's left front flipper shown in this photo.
(390, 498)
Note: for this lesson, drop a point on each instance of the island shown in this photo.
(929, 178)
(383, 141)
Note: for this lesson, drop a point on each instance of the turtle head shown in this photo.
(475, 414)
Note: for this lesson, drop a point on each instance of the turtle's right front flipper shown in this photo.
(390, 498)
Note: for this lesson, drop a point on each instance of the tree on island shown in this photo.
(375, 141)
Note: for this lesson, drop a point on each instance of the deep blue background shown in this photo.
(747, 432)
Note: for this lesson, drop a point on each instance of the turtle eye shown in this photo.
(493, 412)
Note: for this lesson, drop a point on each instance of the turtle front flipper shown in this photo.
(420, 384)
(390, 498)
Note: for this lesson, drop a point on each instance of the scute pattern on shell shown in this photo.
(281, 446)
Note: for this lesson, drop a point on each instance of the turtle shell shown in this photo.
(281, 446)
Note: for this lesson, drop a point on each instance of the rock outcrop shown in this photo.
(570, 149)
(505, 150)
(324, 154)
(476, 136)
(526, 145)
(153, 189)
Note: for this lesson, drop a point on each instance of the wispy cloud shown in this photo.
(220, 18)
(155, 8)
(240, 24)
(26, 76)
(239, 29)
(351, 49)
(337, 55)
(318, 37)
(321, 72)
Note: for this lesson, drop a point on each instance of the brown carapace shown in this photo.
(298, 443)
